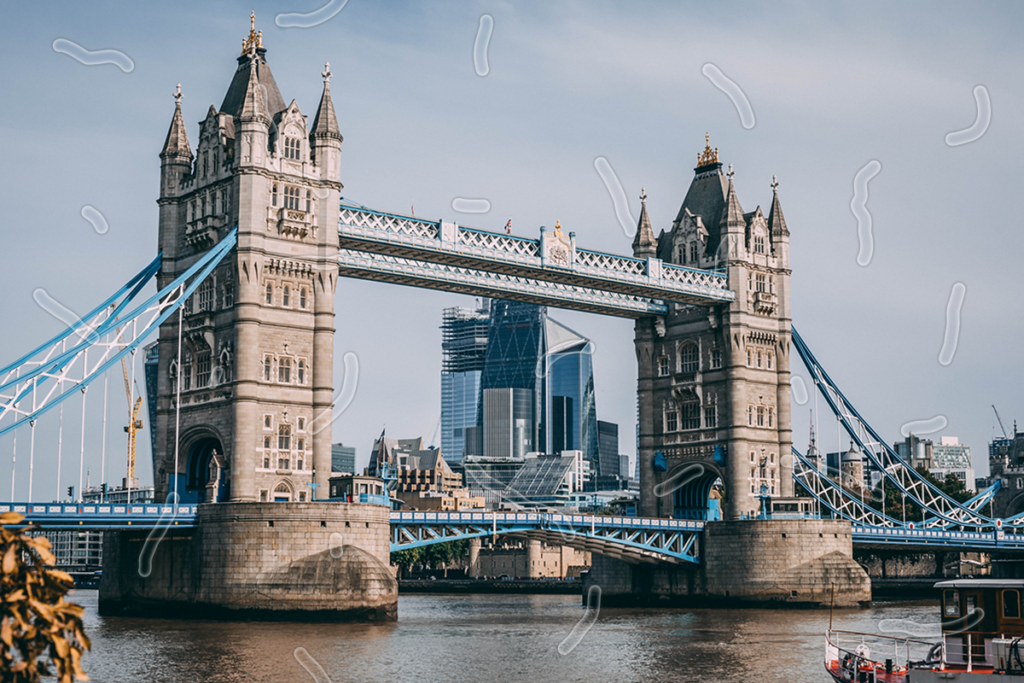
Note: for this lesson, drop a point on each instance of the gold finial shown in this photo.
(558, 227)
(708, 156)
(255, 39)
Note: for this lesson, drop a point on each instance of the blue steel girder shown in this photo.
(941, 508)
(554, 257)
(628, 538)
(386, 268)
(87, 516)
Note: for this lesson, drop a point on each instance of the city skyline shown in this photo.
(882, 347)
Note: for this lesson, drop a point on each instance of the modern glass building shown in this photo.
(343, 458)
(546, 365)
(464, 346)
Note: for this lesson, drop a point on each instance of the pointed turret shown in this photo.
(776, 221)
(325, 123)
(732, 215)
(254, 106)
(176, 155)
(325, 136)
(644, 244)
(176, 144)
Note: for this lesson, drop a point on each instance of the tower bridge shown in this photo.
(254, 239)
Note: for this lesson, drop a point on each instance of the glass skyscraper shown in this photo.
(550, 367)
(464, 345)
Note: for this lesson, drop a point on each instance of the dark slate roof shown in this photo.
(176, 143)
(325, 123)
(235, 96)
(706, 198)
(732, 213)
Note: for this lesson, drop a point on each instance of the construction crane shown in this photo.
(134, 423)
(1000, 420)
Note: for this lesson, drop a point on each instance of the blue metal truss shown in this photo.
(633, 539)
(57, 369)
(368, 265)
(942, 511)
(468, 250)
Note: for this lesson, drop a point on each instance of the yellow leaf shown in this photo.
(10, 518)
(10, 560)
(5, 631)
(76, 664)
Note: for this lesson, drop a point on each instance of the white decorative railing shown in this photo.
(444, 242)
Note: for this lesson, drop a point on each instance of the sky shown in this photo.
(832, 87)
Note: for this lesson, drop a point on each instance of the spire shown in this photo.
(732, 215)
(254, 106)
(776, 221)
(644, 242)
(325, 123)
(176, 144)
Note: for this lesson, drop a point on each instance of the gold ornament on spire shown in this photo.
(255, 39)
(708, 156)
(558, 227)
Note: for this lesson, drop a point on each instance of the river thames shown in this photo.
(493, 638)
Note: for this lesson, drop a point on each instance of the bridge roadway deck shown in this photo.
(634, 539)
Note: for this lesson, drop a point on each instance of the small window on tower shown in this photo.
(266, 369)
(270, 294)
(302, 446)
(286, 295)
(284, 370)
(284, 438)
(291, 148)
(309, 201)
(229, 294)
(302, 297)
(759, 244)
(693, 252)
(291, 197)
(716, 358)
(302, 424)
(663, 366)
(302, 379)
(273, 195)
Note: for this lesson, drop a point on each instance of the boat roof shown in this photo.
(981, 583)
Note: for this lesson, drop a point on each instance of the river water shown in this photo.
(489, 638)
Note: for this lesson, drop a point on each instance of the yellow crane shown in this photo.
(134, 423)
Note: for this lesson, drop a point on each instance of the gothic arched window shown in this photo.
(284, 438)
(286, 295)
(302, 297)
(270, 293)
(689, 357)
(693, 252)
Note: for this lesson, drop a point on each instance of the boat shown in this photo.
(982, 641)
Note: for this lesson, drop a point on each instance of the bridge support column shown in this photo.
(300, 561)
(473, 568)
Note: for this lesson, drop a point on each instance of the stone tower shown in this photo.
(713, 382)
(257, 340)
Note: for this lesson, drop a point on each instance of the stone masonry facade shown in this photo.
(713, 382)
(256, 365)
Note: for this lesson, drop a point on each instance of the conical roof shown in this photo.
(644, 238)
(732, 213)
(325, 123)
(235, 97)
(776, 221)
(176, 143)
